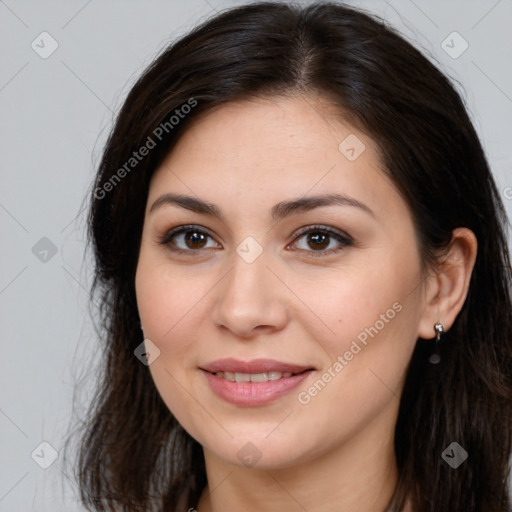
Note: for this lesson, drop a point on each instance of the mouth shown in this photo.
(253, 383)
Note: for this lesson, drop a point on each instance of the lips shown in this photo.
(255, 382)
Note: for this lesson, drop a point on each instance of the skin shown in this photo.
(335, 452)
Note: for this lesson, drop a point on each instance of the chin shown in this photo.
(261, 452)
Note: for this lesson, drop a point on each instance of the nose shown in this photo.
(252, 300)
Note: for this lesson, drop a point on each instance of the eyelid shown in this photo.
(324, 229)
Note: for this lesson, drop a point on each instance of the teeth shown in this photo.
(242, 377)
(259, 377)
(253, 377)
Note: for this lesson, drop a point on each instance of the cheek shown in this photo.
(376, 299)
(375, 334)
(373, 311)
(166, 308)
(168, 298)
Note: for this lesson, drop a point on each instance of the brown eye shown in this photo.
(188, 239)
(322, 241)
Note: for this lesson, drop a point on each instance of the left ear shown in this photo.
(447, 287)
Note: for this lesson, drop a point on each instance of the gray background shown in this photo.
(55, 114)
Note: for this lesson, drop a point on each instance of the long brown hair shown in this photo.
(134, 456)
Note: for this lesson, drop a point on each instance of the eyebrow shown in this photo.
(278, 211)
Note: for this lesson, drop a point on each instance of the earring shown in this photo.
(439, 330)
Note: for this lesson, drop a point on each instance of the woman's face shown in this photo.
(293, 267)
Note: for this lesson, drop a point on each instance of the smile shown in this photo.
(253, 383)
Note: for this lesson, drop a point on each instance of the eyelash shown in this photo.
(343, 239)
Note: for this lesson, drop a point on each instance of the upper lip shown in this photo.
(254, 366)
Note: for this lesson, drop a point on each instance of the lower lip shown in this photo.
(253, 393)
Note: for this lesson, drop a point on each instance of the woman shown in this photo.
(301, 255)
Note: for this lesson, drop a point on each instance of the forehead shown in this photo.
(260, 126)
(266, 149)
